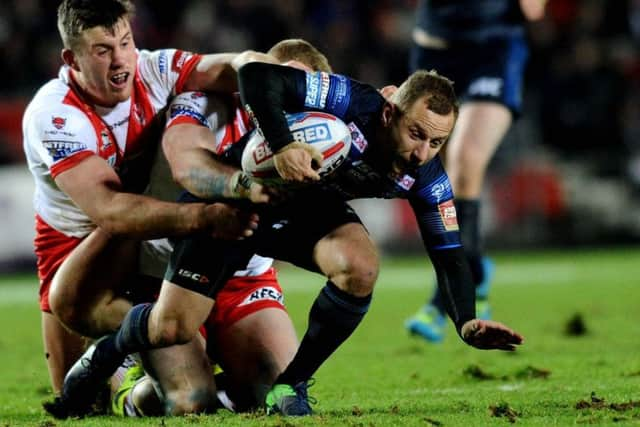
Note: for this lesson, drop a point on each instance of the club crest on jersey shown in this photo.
(448, 214)
(267, 293)
(61, 149)
(58, 122)
(357, 137)
(404, 181)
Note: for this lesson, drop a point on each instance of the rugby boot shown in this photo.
(428, 323)
(288, 400)
(87, 376)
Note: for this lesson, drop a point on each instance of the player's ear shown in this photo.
(387, 113)
(69, 58)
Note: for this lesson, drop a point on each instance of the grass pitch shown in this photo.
(580, 363)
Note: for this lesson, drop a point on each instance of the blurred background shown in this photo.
(567, 175)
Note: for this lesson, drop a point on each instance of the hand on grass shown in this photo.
(490, 335)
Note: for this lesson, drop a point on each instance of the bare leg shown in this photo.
(184, 376)
(61, 348)
(254, 351)
(86, 288)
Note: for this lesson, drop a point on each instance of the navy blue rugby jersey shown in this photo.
(470, 20)
(359, 105)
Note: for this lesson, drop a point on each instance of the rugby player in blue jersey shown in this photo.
(393, 154)
(481, 46)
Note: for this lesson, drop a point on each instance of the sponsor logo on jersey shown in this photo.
(58, 122)
(486, 86)
(448, 214)
(162, 62)
(313, 133)
(179, 59)
(357, 137)
(61, 149)
(439, 189)
(317, 90)
(181, 110)
(267, 293)
(196, 277)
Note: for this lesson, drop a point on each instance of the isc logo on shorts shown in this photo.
(267, 293)
(196, 277)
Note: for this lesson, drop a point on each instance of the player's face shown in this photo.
(418, 136)
(106, 63)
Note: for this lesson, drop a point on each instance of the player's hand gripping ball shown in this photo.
(326, 133)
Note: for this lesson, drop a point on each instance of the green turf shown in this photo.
(382, 377)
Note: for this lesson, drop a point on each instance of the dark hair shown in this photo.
(75, 16)
(440, 95)
(300, 50)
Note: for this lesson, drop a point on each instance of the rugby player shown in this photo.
(87, 134)
(481, 46)
(393, 154)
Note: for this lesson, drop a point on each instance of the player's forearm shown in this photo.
(266, 91)
(141, 217)
(214, 73)
(455, 283)
(193, 166)
(206, 178)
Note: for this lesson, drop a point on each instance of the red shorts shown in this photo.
(242, 296)
(51, 248)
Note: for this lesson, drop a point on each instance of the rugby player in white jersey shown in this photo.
(85, 136)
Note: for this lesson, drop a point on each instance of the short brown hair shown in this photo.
(441, 97)
(300, 50)
(75, 16)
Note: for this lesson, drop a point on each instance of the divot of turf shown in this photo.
(575, 326)
(503, 409)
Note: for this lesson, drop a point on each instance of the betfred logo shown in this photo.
(196, 277)
(262, 153)
(58, 122)
(311, 134)
(448, 214)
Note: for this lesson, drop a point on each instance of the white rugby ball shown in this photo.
(325, 132)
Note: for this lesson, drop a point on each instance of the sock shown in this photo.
(468, 213)
(133, 335)
(334, 316)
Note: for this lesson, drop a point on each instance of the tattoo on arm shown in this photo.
(206, 184)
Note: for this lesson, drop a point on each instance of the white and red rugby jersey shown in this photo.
(60, 130)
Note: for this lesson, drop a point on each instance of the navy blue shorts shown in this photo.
(288, 232)
(491, 70)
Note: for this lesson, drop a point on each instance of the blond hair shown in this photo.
(302, 51)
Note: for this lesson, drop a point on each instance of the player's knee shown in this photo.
(172, 331)
(192, 401)
(361, 274)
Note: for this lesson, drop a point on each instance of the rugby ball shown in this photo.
(326, 132)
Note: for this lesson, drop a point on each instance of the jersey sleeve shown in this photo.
(432, 203)
(166, 70)
(189, 107)
(62, 137)
(268, 90)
